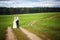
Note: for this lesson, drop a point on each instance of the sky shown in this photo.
(29, 3)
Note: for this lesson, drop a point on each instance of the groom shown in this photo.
(17, 21)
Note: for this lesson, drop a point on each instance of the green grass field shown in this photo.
(5, 21)
(49, 28)
(45, 27)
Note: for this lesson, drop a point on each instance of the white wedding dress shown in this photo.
(14, 22)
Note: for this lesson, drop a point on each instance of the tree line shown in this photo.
(4, 10)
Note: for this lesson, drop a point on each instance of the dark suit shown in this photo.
(17, 22)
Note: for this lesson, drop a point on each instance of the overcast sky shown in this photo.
(29, 3)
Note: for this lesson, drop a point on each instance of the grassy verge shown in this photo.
(5, 21)
(2, 33)
(19, 34)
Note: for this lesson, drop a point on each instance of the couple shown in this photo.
(16, 22)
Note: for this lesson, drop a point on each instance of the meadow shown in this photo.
(44, 25)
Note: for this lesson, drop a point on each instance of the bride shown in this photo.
(14, 22)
